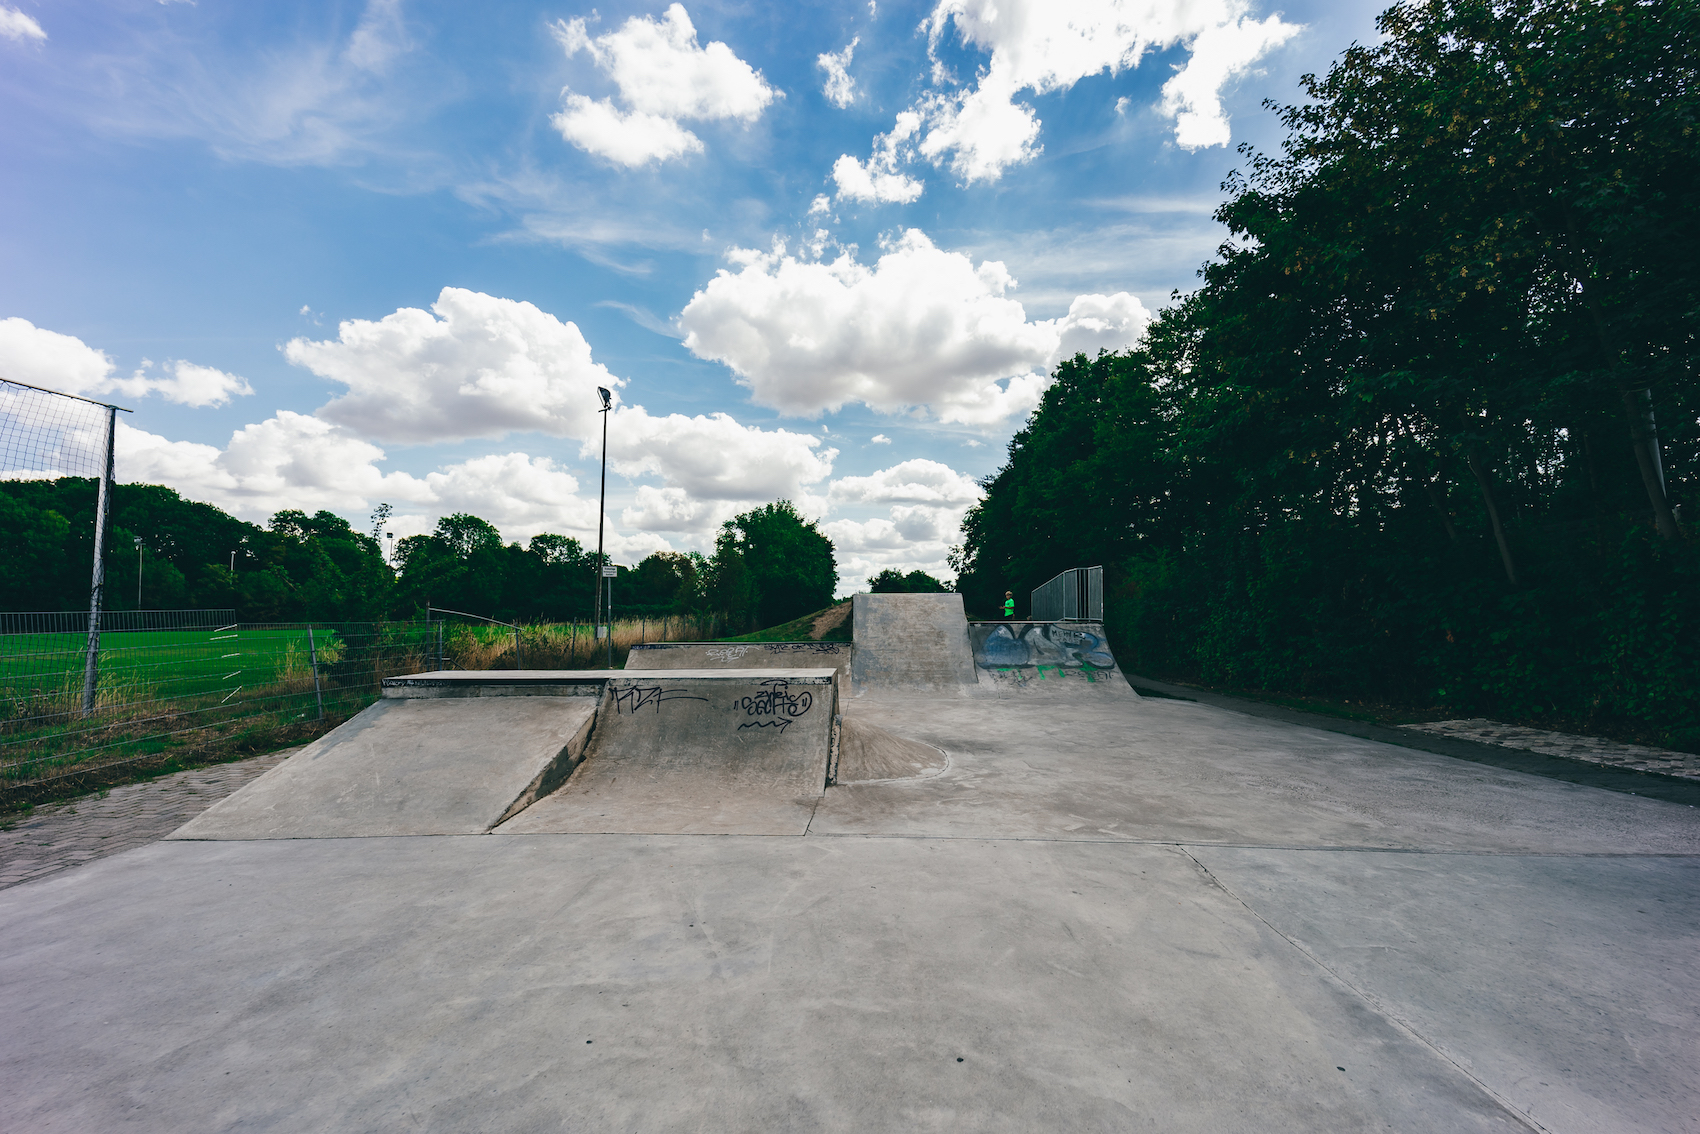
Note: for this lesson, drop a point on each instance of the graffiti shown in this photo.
(805, 647)
(1052, 645)
(778, 725)
(728, 653)
(776, 703)
(635, 697)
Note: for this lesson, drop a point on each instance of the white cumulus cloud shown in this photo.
(712, 467)
(481, 366)
(15, 25)
(922, 328)
(880, 180)
(663, 76)
(840, 87)
(629, 137)
(925, 502)
(298, 461)
(40, 357)
(1040, 46)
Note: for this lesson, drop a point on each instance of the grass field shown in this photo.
(151, 664)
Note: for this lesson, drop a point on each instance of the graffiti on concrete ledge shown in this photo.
(1055, 646)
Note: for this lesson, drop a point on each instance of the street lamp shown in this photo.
(603, 629)
(138, 572)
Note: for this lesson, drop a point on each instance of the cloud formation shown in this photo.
(482, 366)
(840, 87)
(17, 26)
(294, 460)
(1039, 46)
(925, 503)
(922, 328)
(663, 77)
(65, 363)
(880, 181)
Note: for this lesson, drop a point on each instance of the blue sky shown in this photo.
(336, 254)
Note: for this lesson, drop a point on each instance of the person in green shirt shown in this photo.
(1009, 605)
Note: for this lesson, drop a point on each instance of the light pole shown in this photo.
(603, 630)
(138, 572)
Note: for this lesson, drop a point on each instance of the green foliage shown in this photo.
(1399, 444)
(770, 566)
(893, 581)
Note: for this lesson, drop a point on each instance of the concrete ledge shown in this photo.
(499, 683)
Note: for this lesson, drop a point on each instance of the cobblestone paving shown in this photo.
(1590, 748)
(62, 835)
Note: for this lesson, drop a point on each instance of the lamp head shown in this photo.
(607, 398)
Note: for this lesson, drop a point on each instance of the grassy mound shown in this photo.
(830, 625)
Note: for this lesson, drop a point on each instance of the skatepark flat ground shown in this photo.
(1127, 914)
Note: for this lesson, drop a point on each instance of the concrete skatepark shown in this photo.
(973, 882)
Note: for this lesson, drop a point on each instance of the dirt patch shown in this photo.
(829, 620)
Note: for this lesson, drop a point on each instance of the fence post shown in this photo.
(313, 660)
(442, 658)
(97, 588)
(518, 664)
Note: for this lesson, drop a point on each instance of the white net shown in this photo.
(45, 435)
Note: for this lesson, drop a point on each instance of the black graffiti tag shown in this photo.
(636, 697)
(774, 705)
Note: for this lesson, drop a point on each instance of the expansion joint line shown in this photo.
(1381, 1009)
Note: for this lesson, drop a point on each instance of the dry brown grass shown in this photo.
(562, 646)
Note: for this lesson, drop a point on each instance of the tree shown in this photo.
(893, 581)
(772, 565)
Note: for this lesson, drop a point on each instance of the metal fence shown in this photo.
(184, 689)
(1075, 595)
(191, 683)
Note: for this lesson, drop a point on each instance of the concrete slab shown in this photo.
(1171, 771)
(1566, 984)
(911, 642)
(410, 767)
(701, 752)
(741, 655)
(648, 984)
(1140, 914)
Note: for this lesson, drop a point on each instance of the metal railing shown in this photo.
(186, 689)
(1075, 595)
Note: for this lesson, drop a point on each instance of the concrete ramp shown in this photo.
(741, 655)
(911, 643)
(869, 754)
(729, 752)
(411, 766)
(1047, 659)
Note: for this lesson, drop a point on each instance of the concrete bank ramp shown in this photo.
(868, 753)
(911, 643)
(1069, 660)
(723, 752)
(411, 766)
(741, 655)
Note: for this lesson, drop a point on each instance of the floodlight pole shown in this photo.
(138, 572)
(601, 516)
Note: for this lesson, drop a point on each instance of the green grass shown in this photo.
(186, 696)
(166, 663)
(801, 630)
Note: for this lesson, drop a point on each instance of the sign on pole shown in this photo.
(610, 571)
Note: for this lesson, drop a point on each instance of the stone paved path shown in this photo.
(62, 835)
(1589, 748)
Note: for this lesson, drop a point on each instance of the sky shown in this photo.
(339, 254)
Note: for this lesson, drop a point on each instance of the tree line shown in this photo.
(769, 564)
(1424, 431)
